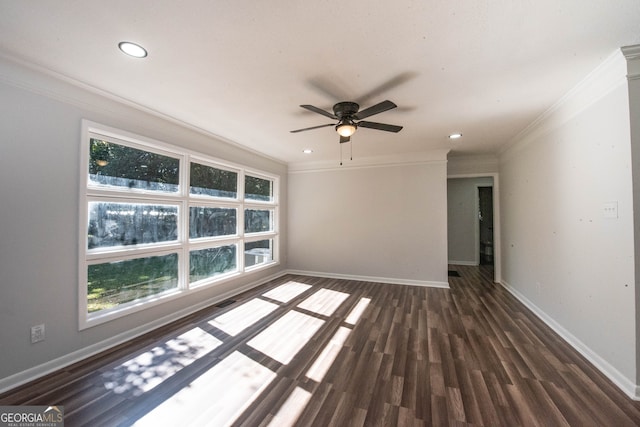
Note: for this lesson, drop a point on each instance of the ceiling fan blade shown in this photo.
(344, 139)
(380, 126)
(375, 109)
(331, 87)
(386, 86)
(319, 111)
(312, 127)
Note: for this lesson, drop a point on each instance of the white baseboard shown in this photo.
(39, 371)
(393, 281)
(623, 383)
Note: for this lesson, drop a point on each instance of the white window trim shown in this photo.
(183, 200)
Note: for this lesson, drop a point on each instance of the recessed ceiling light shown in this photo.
(307, 151)
(455, 136)
(132, 49)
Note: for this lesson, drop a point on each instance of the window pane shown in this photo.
(209, 222)
(115, 283)
(211, 262)
(256, 221)
(121, 224)
(260, 252)
(213, 182)
(258, 189)
(121, 166)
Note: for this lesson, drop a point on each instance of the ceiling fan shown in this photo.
(350, 118)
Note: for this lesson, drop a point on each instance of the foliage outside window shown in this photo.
(212, 181)
(122, 224)
(139, 197)
(258, 220)
(118, 165)
(258, 189)
(210, 262)
(111, 284)
(209, 222)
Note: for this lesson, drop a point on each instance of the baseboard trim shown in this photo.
(623, 383)
(393, 281)
(39, 371)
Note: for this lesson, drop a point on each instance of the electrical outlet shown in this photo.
(37, 333)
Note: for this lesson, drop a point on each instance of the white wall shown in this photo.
(462, 214)
(382, 222)
(40, 122)
(560, 254)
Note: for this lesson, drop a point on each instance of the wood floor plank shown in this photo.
(423, 392)
(436, 380)
(439, 413)
(347, 353)
(455, 405)
(311, 415)
(553, 414)
(470, 401)
(269, 404)
(486, 404)
(410, 380)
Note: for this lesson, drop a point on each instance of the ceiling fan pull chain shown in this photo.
(340, 154)
(351, 149)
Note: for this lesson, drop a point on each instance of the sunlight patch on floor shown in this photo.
(357, 311)
(221, 394)
(291, 409)
(324, 301)
(237, 320)
(286, 336)
(149, 369)
(328, 355)
(287, 291)
(216, 398)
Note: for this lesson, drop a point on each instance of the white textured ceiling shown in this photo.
(240, 69)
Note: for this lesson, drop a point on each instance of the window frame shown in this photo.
(91, 192)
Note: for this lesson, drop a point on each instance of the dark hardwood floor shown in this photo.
(324, 352)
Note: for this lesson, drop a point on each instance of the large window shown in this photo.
(159, 221)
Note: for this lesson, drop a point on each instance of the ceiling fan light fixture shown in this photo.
(132, 49)
(455, 136)
(346, 128)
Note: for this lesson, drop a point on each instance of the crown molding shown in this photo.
(608, 76)
(632, 54)
(34, 78)
(406, 159)
(482, 164)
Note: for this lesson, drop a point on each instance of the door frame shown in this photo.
(497, 252)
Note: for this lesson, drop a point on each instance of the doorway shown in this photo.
(470, 197)
(485, 225)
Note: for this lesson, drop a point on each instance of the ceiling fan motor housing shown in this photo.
(345, 109)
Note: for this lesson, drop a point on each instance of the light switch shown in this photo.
(610, 210)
